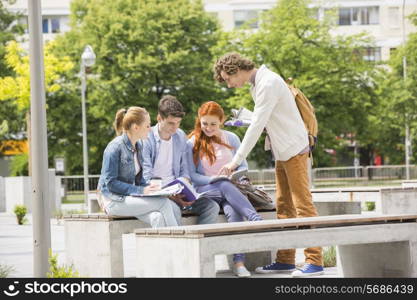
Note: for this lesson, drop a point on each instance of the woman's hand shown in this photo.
(227, 169)
(151, 188)
(179, 200)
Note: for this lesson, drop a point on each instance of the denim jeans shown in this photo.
(155, 211)
(235, 205)
(206, 209)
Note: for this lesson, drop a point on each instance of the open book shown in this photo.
(187, 189)
(241, 117)
(232, 177)
(174, 189)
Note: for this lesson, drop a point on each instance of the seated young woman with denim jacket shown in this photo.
(209, 149)
(121, 173)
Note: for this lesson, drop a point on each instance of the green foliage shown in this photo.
(370, 206)
(5, 270)
(329, 256)
(57, 271)
(11, 120)
(20, 212)
(9, 29)
(19, 165)
(397, 102)
(144, 49)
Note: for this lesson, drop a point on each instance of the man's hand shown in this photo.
(151, 188)
(179, 200)
(227, 169)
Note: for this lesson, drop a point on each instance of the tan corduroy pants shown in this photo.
(294, 200)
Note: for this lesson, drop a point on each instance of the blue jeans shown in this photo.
(206, 209)
(155, 211)
(235, 205)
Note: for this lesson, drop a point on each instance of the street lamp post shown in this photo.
(407, 126)
(88, 59)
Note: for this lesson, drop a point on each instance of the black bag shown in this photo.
(258, 198)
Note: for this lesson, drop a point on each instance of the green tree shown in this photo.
(15, 89)
(397, 102)
(144, 49)
(11, 120)
(328, 69)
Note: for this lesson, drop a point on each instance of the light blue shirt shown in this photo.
(151, 151)
(197, 173)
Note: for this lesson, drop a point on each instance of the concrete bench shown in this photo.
(378, 246)
(398, 200)
(94, 242)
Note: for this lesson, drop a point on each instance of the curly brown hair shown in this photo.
(231, 63)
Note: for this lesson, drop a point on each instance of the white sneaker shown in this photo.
(241, 272)
(308, 270)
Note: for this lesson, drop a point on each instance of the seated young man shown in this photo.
(164, 155)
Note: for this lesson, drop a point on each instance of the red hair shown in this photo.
(203, 144)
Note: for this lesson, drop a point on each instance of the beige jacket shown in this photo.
(275, 110)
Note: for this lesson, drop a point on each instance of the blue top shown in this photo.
(117, 178)
(179, 156)
(197, 173)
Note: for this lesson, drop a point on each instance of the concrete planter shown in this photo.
(18, 192)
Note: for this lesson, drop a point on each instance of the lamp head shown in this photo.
(88, 57)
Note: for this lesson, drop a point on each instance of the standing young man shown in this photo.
(276, 110)
(164, 154)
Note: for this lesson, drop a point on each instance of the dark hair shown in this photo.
(126, 117)
(170, 106)
(231, 63)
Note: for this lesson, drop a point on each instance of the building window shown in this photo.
(45, 25)
(243, 16)
(55, 25)
(372, 54)
(51, 25)
(394, 17)
(359, 15)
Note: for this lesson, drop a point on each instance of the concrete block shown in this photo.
(329, 208)
(54, 201)
(95, 247)
(409, 183)
(2, 195)
(18, 192)
(375, 260)
(402, 200)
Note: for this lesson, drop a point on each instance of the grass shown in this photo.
(73, 198)
(329, 256)
(5, 270)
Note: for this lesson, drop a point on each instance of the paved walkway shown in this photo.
(16, 249)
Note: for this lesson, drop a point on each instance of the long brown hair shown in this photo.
(203, 144)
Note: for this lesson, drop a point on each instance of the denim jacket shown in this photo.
(117, 178)
(197, 173)
(179, 156)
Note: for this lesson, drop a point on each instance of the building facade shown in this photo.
(382, 19)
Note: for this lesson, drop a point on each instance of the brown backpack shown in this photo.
(307, 113)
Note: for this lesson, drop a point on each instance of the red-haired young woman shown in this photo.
(209, 149)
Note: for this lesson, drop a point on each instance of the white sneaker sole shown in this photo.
(260, 271)
(298, 275)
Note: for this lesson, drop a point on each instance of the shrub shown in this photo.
(5, 270)
(20, 212)
(370, 206)
(56, 271)
(329, 256)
